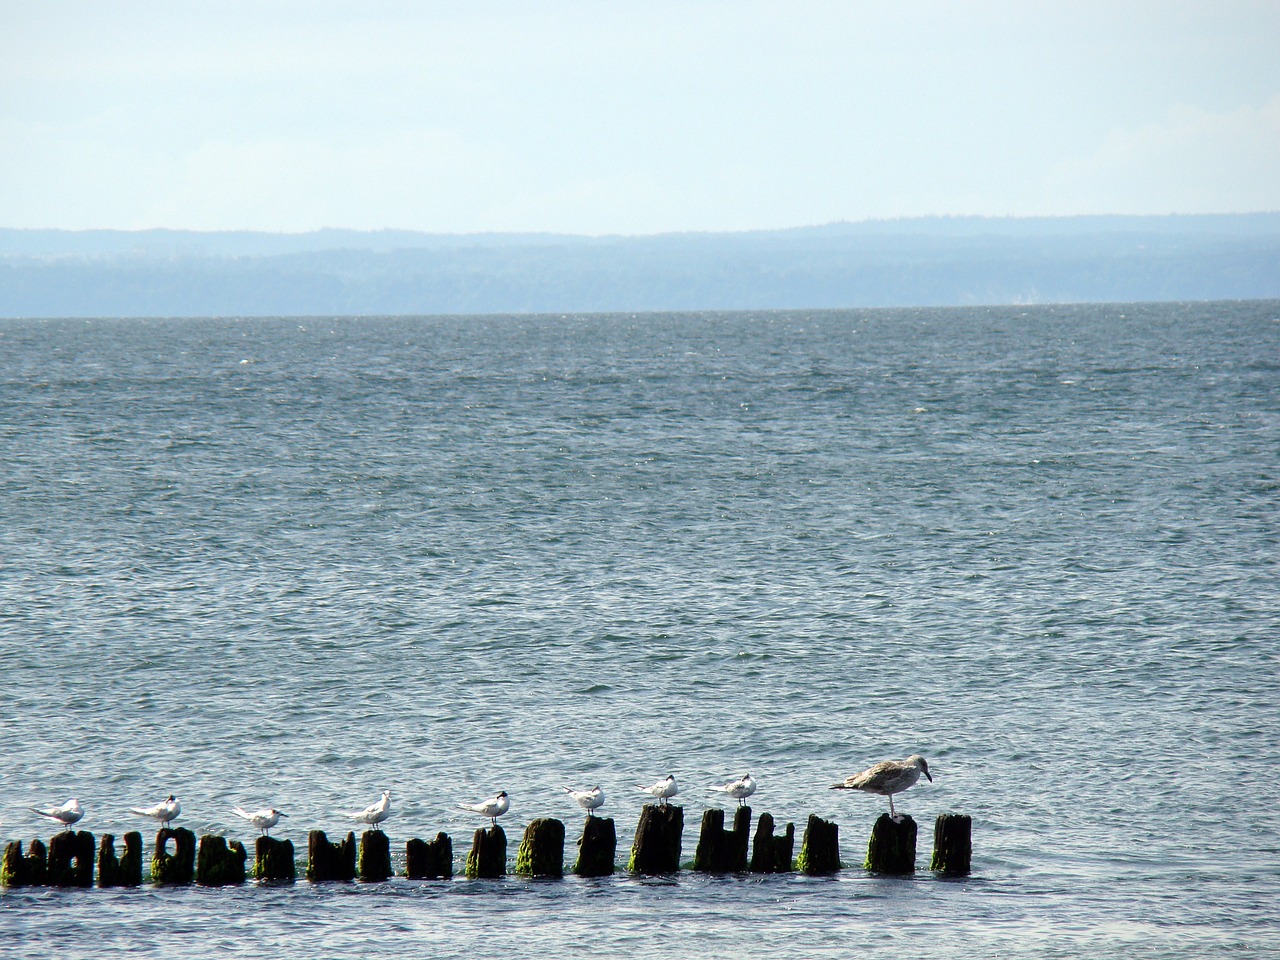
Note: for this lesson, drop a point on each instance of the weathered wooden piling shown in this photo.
(657, 845)
(125, 871)
(220, 863)
(70, 859)
(429, 859)
(541, 852)
(770, 854)
(375, 857)
(952, 844)
(892, 847)
(177, 868)
(488, 856)
(720, 850)
(330, 861)
(820, 849)
(273, 861)
(24, 870)
(597, 848)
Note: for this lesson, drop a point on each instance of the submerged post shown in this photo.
(488, 857)
(220, 863)
(70, 859)
(597, 848)
(177, 868)
(657, 845)
(375, 857)
(952, 844)
(892, 848)
(720, 850)
(429, 860)
(770, 854)
(541, 852)
(820, 850)
(330, 861)
(125, 871)
(273, 861)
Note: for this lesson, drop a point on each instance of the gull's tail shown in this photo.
(242, 813)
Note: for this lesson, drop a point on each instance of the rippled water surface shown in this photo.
(297, 562)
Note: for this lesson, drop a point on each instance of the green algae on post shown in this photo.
(541, 852)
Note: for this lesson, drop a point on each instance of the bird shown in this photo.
(165, 811)
(588, 800)
(67, 814)
(739, 789)
(374, 813)
(492, 808)
(887, 778)
(264, 820)
(662, 789)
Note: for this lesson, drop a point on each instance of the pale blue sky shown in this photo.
(598, 117)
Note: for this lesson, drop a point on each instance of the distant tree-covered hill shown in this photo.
(943, 261)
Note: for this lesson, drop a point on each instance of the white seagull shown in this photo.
(588, 800)
(492, 808)
(662, 789)
(264, 820)
(67, 814)
(165, 811)
(374, 813)
(887, 778)
(739, 789)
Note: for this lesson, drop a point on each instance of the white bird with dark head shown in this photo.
(66, 814)
(887, 778)
(588, 800)
(375, 813)
(663, 789)
(739, 789)
(264, 820)
(492, 808)
(164, 812)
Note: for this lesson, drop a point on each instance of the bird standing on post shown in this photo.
(492, 808)
(164, 812)
(67, 814)
(887, 778)
(588, 800)
(264, 820)
(739, 789)
(375, 813)
(662, 789)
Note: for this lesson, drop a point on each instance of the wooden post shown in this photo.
(219, 863)
(375, 857)
(431, 860)
(330, 861)
(720, 850)
(772, 854)
(30, 870)
(597, 848)
(488, 856)
(820, 850)
(125, 871)
(892, 848)
(273, 861)
(952, 844)
(177, 868)
(70, 859)
(541, 852)
(658, 835)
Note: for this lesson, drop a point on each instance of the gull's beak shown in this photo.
(929, 775)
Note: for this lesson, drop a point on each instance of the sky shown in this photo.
(597, 117)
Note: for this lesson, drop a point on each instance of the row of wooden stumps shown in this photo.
(68, 860)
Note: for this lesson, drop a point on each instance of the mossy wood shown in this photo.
(657, 845)
(541, 852)
(597, 849)
(488, 856)
(720, 850)
(330, 861)
(220, 863)
(273, 861)
(24, 870)
(952, 844)
(124, 871)
(429, 859)
(770, 854)
(892, 848)
(375, 857)
(820, 849)
(177, 867)
(71, 859)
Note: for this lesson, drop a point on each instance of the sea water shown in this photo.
(295, 562)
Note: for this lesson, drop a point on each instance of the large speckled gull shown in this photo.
(887, 778)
